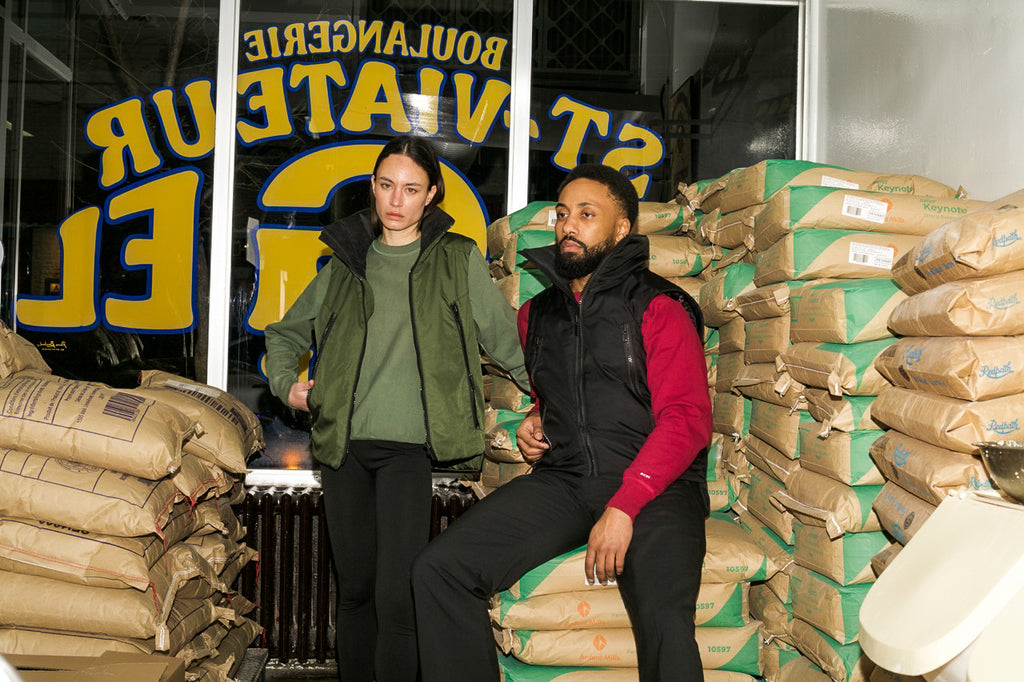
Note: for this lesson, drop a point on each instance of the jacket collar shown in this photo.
(628, 256)
(350, 238)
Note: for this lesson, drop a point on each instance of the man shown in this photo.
(618, 444)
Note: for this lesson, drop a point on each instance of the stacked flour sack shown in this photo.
(116, 527)
(956, 372)
(813, 306)
(552, 625)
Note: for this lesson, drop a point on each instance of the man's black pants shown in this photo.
(534, 518)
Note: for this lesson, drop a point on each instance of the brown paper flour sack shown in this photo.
(822, 501)
(765, 339)
(537, 215)
(18, 353)
(841, 254)
(900, 512)
(926, 470)
(96, 500)
(990, 306)
(731, 230)
(231, 431)
(948, 422)
(808, 206)
(755, 184)
(842, 369)
(92, 423)
(762, 381)
(965, 367)
(982, 244)
(846, 311)
(676, 256)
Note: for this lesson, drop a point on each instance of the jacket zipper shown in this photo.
(627, 342)
(323, 343)
(355, 384)
(465, 359)
(419, 361)
(581, 405)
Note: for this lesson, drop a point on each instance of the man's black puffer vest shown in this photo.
(587, 362)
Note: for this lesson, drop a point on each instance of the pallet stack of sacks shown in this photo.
(116, 527)
(810, 310)
(552, 625)
(955, 374)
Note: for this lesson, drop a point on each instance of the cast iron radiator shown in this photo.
(293, 583)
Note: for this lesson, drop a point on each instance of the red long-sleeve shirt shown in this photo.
(677, 378)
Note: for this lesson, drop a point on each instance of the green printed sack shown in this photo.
(845, 560)
(678, 256)
(840, 413)
(512, 258)
(522, 285)
(762, 490)
(756, 184)
(832, 608)
(985, 243)
(731, 230)
(718, 296)
(778, 655)
(807, 206)
(771, 300)
(779, 552)
(948, 422)
(990, 306)
(765, 339)
(514, 670)
(767, 458)
(840, 254)
(729, 367)
(536, 215)
(778, 426)
(842, 455)
(732, 337)
(842, 662)
(900, 512)
(763, 382)
(723, 493)
(765, 606)
(718, 605)
(849, 311)
(730, 415)
(926, 470)
(965, 367)
(654, 217)
(690, 285)
(841, 368)
(822, 501)
(500, 435)
(733, 649)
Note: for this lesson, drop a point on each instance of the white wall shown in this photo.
(933, 87)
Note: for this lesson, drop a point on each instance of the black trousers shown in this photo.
(539, 516)
(377, 505)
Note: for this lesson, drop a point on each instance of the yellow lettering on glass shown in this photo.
(285, 265)
(122, 136)
(317, 78)
(74, 307)
(268, 97)
(169, 203)
(581, 118)
(199, 96)
(650, 153)
(426, 104)
(375, 92)
(474, 123)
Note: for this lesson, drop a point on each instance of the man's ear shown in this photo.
(622, 228)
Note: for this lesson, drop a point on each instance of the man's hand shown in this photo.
(606, 548)
(530, 438)
(298, 394)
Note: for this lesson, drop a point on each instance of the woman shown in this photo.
(397, 318)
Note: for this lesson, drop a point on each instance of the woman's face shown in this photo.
(401, 192)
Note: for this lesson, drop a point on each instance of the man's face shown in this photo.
(588, 223)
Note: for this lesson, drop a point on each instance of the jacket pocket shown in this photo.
(465, 359)
(631, 358)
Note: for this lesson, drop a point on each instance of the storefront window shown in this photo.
(107, 184)
(668, 91)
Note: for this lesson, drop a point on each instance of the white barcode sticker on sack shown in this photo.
(872, 256)
(552, 218)
(866, 209)
(829, 181)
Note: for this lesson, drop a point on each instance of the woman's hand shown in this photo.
(530, 438)
(299, 393)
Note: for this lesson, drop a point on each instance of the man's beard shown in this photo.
(577, 265)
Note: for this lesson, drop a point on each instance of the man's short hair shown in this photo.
(619, 186)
